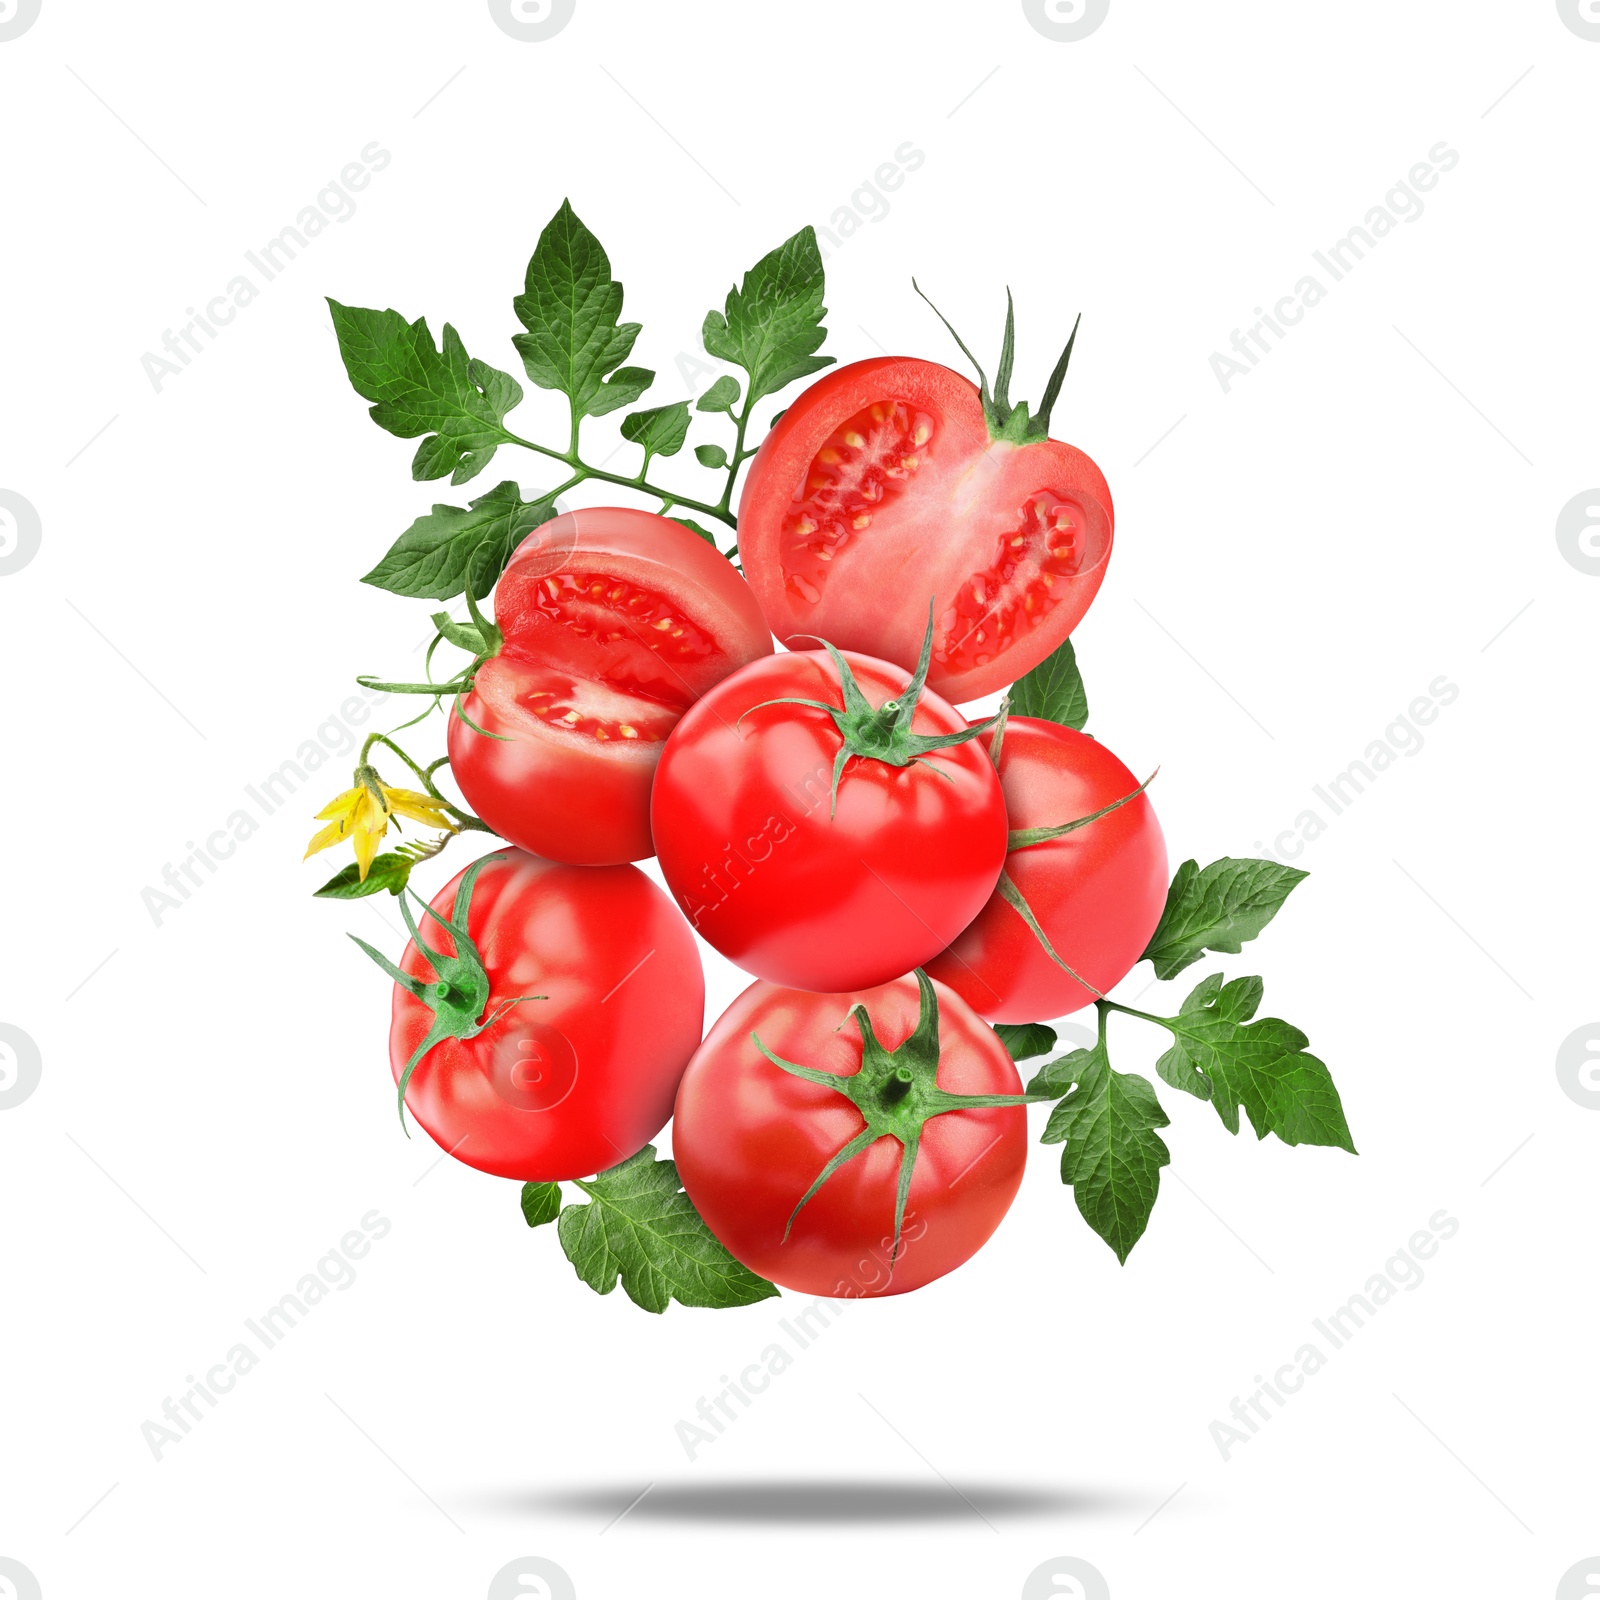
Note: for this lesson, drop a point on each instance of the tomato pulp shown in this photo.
(571, 1083)
(750, 1140)
(614, 623)
(1097, 892)
(881, 486)
(805, 886)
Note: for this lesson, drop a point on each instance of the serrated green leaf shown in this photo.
(660, 430)
(723, 395)
(642, 1228)
(771, 325)
(1113, 1156)
(434, 557)
(1053, 690)
(541, 1203)
(711, 455)
(694, 527)
(1263, 1066)
(1058, 1076)
(570, 305)
(459, 403)
(388, 871)
(1026, 1039)
(1217, 908)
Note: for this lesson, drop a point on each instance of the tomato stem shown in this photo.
(582, 470)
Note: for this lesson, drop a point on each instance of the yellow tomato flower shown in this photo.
(362, 814)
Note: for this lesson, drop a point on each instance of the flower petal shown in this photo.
(332, 834)
(419, 807)
(341, 804)
(370, 827)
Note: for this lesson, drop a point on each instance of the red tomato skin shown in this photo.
(1098, 892)
(749, 1139)
(626, 1002)
(567, 794)
(953, 517)
(742, 827)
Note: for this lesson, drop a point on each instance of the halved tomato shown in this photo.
(885, 484)
(615, 622)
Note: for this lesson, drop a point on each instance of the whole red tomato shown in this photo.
(824, 823)
(892, 480)
(614, 623)
(851, 1144)
(1097, 891)
(571, 1082)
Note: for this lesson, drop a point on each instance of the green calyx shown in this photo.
(881, 733)
(479, 636)
(459, 994)
(896, 1091)
(1008, 421)
(1023, 838)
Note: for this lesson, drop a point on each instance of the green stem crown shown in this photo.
(896, 1091)
(459, 996)
(882, 733)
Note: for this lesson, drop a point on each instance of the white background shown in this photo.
(1372, 507)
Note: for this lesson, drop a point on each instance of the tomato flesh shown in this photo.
(615, 622)
(856, 514)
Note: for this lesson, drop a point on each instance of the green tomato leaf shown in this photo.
(1217, 908)
(642, 1228)
(1058, 1076)
(1113, 1156)
(1221, 1055)
(1025, 1039)
(723, 395)
(570, 307)
(388, 871)
(694, 527)
(459, 403)
(435, 556)
(541, 1203)
(711, 455)
(661, 431)
(1053, 690)
(772, 324)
